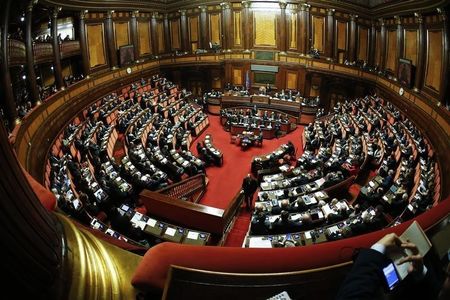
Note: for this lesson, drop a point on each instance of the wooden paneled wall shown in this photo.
(410, 45)
(121, 33)
(278, 28)
(434, 59)
(342, 28)
(264, 29)
(318, 30)
(96, 44)
(175, 34)
(293, 31)
(363, 43)
(145, 41)
(194, 32)
(215, 26)
(160, 35)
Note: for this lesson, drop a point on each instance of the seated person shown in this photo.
(387, 182)
(306, 222)
(283, 224)
(260, 225)
(285, 205)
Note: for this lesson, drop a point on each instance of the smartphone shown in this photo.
(392, 279)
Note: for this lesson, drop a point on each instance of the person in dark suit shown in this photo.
(284, 225)
(366, 279)
(260, 225)
(387, 182)
(249, 186)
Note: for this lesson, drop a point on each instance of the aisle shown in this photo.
(226, 181)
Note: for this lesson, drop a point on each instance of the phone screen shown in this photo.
(391, 276)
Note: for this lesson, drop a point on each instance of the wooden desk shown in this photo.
(268, 133)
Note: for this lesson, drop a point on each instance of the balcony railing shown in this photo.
(69, 48)
(17, 54)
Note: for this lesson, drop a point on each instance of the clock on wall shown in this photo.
(129, 70)
(401, 91)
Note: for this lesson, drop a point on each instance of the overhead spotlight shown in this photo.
(51, 68)
(24, 77)
(22, 19)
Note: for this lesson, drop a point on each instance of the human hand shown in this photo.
(415, 258)
(391, 242)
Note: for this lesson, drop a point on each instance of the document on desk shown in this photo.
(333, 229)
(321, 195)
(296, 217)
(151, 222)
(320, 182)
(259, 242)
(326, 209)
(415, 234)
(136, 218)
(273, 218)
(193, 235)
(170, 231)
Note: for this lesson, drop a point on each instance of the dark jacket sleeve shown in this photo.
(365, 278)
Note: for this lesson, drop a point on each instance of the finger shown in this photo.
(397, 240)
(411, 247)
(412, 258)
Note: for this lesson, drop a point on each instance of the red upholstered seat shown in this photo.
(153, 270)
(101, 216)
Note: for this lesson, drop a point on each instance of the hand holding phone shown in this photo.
(391, 276)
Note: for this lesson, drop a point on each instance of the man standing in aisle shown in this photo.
(249, 185)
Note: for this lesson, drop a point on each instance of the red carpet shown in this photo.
(240, 228)
(225, 182)
(119, 148)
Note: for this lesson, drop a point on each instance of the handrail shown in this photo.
(232, 208)
(203, 216)
(172, 192)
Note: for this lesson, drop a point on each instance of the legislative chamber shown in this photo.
(260, 149)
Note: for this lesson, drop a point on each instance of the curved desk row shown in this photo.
(304, 114)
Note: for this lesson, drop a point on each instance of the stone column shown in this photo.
(204, 30)
(226, 26)
(153, 26)
(31, 74)
(445, 88)
(112, 53)
(134, 34)
(247, 28)
(184, 32)
(329, 44)
(9, 104)
(352, 39)
(383, 45)
(83, 43)
(400, 40)
(304, 36)
(167, 39)
(57, 69)
(283, 38)
(372, 44)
